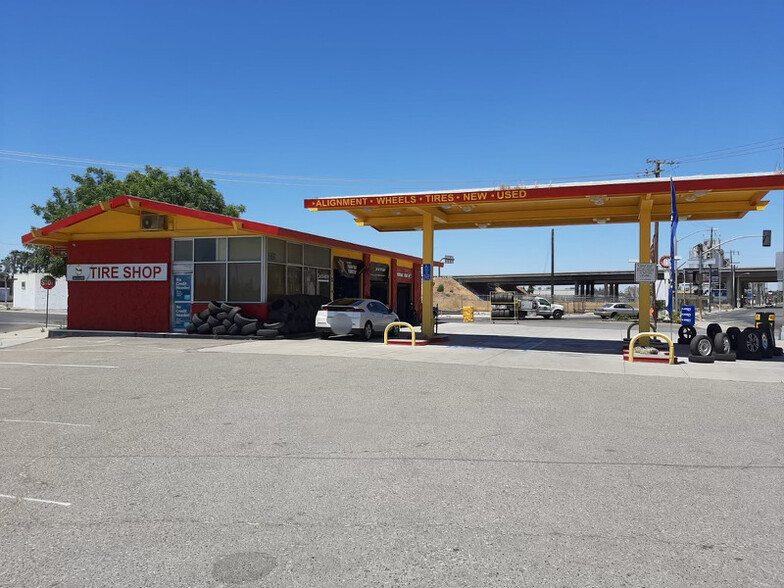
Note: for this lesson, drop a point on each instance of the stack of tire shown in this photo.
(750, 343)
(294, 314)
(220, 318)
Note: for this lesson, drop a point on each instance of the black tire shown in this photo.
(394, 331)
(687, 332)
(701, 345)
(734, 334)
(612, 315)
(213, 322)
(701, 359)
(234, 329)
(233, 312)
(725, 356)
(557, 314)
(222, 316)
(778, 352)
(227, 323)
(227, 308)
(749, 344)
(190, 328)
(767, 343)
(243, 320)
(273, 325)
(250, 328)
(326, 334)
(196, 320)
(204, 314)
(721, 344)
(712, 329)
(204, 329)
(214, 308)
(267, 333)
(220, 330)
(367, 331)
(523, 314)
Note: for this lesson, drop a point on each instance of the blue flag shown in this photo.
(673, 231)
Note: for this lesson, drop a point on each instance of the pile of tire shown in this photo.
(502, 310)
(750, 343)
(294, 314)
(220, 318)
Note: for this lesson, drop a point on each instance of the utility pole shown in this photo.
(552, 266)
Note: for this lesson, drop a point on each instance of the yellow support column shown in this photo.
(645, 257)
(428, 327)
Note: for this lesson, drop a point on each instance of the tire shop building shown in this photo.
(140, 265)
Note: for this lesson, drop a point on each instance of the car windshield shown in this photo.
(345, 302)
(607, 306)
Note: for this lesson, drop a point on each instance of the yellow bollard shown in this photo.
(468, 314)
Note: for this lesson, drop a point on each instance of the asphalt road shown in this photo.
(164, 466)
(15, 320)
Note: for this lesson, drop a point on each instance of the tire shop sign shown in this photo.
(117, 272)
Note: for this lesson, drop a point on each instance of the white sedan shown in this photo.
(361, 316)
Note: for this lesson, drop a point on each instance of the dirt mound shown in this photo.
(453, 296)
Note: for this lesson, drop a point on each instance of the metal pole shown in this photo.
(46, 323)
(552, 265)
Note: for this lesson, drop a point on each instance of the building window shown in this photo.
(209, 281)
(293, 268)
(244, 282)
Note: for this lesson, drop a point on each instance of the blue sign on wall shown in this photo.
(182, 287)
(183, 296)
(687, 316)
(427, 272)
(182, 315)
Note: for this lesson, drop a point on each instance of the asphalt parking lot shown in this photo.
(162, 462)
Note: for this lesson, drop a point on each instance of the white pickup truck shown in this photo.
(536, 306)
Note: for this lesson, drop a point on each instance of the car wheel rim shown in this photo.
(704, 347)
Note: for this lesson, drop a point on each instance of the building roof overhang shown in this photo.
(698, 198)
(119, 218)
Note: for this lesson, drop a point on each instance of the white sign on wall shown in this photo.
(644, 272)
(116, 272)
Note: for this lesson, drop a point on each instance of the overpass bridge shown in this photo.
(585, 282)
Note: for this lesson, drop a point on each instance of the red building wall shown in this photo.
(120, 306)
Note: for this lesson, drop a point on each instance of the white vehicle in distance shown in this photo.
(612, 309)
(361, 316)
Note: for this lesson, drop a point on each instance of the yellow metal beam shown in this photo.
(428, 326)
(438, 214)
(646, 204)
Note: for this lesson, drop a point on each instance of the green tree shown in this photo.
(187, 188)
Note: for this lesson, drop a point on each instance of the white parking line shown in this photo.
(12, 497)
(43, 422)
(74, 365)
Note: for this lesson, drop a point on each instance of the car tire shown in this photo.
(687, 333)
(394, 331)
(733, 333)
(557, 315)
(701, 359)
(767, 343)
(725, 356)
(721, 344)
(712, 329)
(325, 335)
(612, 315)
(749, 344)
(367, 331)
(778, 352)
(701, 345)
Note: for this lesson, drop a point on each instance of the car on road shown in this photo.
(361, 316)
(613, 309)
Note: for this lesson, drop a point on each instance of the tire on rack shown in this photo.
(701, 345)
(749, 344)
(734, 334)
(712, 329)
(721, 344)
(249, 328)
(701, 359)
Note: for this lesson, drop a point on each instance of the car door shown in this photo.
(378, 315)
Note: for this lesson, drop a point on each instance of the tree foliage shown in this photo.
(187, 188)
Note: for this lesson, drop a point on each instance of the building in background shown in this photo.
(28, 293)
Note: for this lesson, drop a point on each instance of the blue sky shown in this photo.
(348, 98)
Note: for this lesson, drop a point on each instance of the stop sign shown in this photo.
(48, 282)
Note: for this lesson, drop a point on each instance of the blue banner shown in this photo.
(673, 232)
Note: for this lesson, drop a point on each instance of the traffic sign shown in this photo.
(644, 272)
(48, 282)
(427, 272)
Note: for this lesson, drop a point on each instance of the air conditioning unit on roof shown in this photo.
(154, 222)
